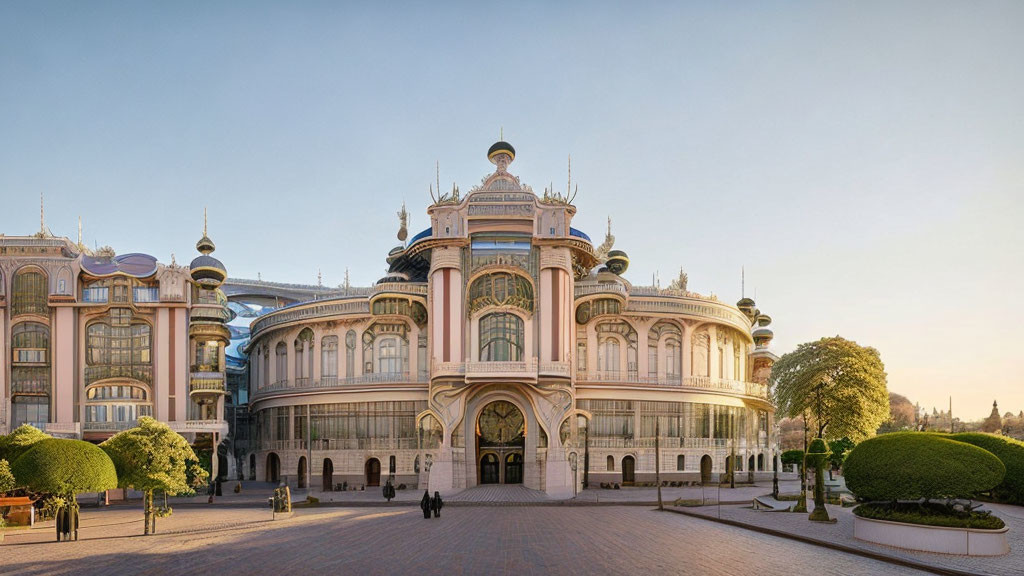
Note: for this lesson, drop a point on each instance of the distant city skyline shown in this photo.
(861, 162)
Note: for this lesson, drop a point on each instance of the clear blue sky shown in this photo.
(863, 160)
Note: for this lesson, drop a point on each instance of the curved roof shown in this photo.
(135, 265)
(499, 147)
(424, 234)
(206, 261)
(579, 234)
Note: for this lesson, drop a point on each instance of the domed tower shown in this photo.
(208, 333)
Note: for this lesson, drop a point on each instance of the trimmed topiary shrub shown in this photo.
(914, 465)
(1011, 453)
(19, 441)
(65, 468)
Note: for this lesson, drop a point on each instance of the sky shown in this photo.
(863, 162)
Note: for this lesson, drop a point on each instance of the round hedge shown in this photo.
(65, 467)
(1011, 453)
(914, 465)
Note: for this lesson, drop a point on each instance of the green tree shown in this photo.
(64, 468)
(19, 441)
(838, 384)
(839, 449)
(153, 457)
(6, 478)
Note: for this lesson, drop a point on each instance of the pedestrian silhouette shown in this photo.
(425, 504)
(436, 504)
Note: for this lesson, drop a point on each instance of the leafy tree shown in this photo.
(153, 457)
(64, 468)
(6, 478)
(839, 386)
(839, 449)
(19, 441)
(902, 415)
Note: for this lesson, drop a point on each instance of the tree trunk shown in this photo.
(819, 514)
(147, 507)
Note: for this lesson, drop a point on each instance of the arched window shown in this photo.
(611, 463)
(29, 293)
(304, 355)
(501, 337)
(281, 353)
(680, 462)
(608, 355)
(329, 357)
(30, 342)
(115, 350)
(350, 353)
(673, 358)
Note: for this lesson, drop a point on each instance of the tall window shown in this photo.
(304, 354)
(30, 341)
(501, 337)
(281, 362)
(608, 355)
(350, 354)
(113, 350)
(329, 357)
(30, 293)
(673, 358)
(389, 359)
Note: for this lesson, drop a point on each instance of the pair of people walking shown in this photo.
(428, 504)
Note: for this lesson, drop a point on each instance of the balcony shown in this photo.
(502, 371)
(557, 369)
(200, 426)
(342, 444)
(203, 383)
(737, 387)
(94, 295)
(109, 426)
(64, 429)
(145, 295)
(329, 383)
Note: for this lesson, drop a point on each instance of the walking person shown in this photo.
(436, 504)
(425, 504)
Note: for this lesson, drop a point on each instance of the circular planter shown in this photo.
(941, 539)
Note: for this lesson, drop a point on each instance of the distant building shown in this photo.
(503, 347)
(994, 423)
(92, 341)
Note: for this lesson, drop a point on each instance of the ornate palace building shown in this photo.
(91, 341)
(502, 347)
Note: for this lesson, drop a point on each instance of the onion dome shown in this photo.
(205, 245)
(762, 335)
(746, 305)
(206, 270)
(501, 147)
(617, 262)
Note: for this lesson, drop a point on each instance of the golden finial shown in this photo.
(42, 221)
(204, 221)
(79, 231)
(501, 133)
(437, 175)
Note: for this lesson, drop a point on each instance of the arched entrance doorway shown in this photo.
(500, 442)
(328, 475)
(302, 472)
(628, 471)
(373, 472)
(252, 466)
(514, 468)
(489, 469)
(705, 469)
(273, 468)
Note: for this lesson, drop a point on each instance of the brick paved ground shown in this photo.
(228, 539)
(842, 532)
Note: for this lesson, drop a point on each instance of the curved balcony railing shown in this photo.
(334, 382)
(690, 382)
(602, 288)
(342, 444)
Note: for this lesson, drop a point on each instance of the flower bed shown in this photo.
(906, 526)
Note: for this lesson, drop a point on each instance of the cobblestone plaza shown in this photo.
(242, 539)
